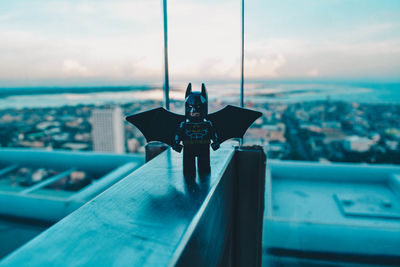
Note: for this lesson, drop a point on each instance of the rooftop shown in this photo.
(309, 213)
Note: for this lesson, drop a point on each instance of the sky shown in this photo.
(120, 42)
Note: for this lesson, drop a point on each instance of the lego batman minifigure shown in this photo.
(196, 132)
(196, 129)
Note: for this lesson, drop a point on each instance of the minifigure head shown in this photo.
(196, 104)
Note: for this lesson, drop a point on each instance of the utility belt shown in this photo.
(196, 142)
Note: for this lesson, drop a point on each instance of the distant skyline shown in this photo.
(83, 43)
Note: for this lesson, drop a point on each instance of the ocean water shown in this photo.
(254, 92)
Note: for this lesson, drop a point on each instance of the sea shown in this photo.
(267, 92)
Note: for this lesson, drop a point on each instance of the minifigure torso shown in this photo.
(196, 133)
(196, 138)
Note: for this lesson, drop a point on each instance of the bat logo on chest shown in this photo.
(196, 133)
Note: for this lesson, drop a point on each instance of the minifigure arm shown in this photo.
(214, 137)
(178, 138)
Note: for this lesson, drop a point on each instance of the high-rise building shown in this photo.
(108, 130)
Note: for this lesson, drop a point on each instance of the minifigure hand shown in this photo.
(177, 148)
(215, 146)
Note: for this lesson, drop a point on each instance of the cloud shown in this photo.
(138, 11)
(86, 8)
(72, 68)
(7, 16)
(123, 41)
(313, 73)
(264, 66)
(204, 42)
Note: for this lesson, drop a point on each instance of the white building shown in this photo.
(358, 144)
(108, 130)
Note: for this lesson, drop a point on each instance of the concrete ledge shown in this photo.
(141, 220)
(228, 228)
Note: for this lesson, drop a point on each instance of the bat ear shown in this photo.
(188, 90)
(204, 91)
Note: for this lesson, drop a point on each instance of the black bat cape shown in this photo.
(161, 125)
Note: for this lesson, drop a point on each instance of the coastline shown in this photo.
(21, 98)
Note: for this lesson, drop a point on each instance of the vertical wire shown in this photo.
(166, 77)
(242, 63)
(242, 68)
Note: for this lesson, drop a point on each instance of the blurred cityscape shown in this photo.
(25, 176)
(327, 130)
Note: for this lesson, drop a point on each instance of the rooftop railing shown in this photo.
(325, 214)
(38, 202)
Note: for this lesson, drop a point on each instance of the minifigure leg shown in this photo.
(203, 162)
(189, 164)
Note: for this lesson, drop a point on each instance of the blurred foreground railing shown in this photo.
(156, 217)
(331, 214)
(35, 202)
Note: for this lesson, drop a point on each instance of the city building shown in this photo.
(357, 144)
(275, 132)
(108, 130)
